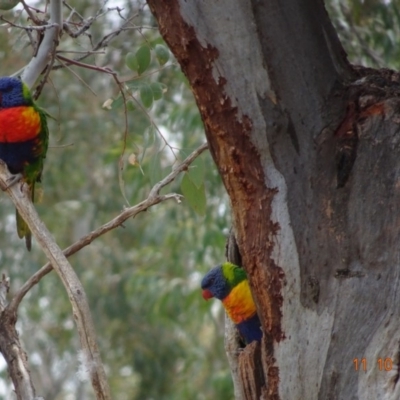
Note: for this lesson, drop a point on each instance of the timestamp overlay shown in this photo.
(383, 364)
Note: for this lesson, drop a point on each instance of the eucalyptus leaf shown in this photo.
(132, 62)
(146, 95)
(162, 54)
(196, 172)
(118, 102)
(8, 4)
(195, 196)
(143, 57)
(157, 89)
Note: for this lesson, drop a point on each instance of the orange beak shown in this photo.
(207, 294)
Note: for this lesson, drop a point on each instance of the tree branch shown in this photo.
(11, 348)
(28, 28)
(73, 286)
(47, 47)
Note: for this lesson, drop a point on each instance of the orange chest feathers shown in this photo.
(19, 124)
(239, 304)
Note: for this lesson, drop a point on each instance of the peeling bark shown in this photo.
(251, 371)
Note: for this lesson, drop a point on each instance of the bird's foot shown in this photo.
(12, 181)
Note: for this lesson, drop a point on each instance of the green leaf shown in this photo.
(146, 95)
(8, 4)
(155, 168)
(149, 140)
(195, 196)
(143, 57)
(118, 102)
(130, 105)
(196, 172)
(157, 89)
(132, 62)
(162, 53)
(135, 84)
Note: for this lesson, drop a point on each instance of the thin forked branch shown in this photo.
(152, 199)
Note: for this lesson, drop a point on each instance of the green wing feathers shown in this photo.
(33, 174)
(24, 138)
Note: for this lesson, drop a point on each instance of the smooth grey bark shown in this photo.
(308, 149)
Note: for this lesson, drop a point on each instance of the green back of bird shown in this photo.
(233, 274)
(33, 171)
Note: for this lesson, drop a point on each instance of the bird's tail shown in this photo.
(22, 227)
(23, 230)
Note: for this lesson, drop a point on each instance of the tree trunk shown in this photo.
(308, 148)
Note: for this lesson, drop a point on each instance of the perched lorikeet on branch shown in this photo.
(228, 283)
(24, 138)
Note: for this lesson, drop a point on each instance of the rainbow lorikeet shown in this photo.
(24, 138)
(228, 283)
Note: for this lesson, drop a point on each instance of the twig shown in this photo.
(108, 38)
(74, 288)
(83, 65)
(76, 75)
(152, 123)
(87, 52)
(28, 27)
(73, 11)
(86, 26)
(153, 198)
(379, 62)
(121, 157)
(32, 17)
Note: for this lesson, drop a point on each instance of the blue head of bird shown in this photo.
(219, 281)
(13, 93)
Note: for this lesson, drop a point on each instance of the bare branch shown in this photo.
(73, 12)
(104, 42)
(77, 76)
(31, 15)
(153, 198)
(86, 52)
(83, 65)
(11, 348)
(47, 47)
(74, 34)
(28, 27)
(73, 286)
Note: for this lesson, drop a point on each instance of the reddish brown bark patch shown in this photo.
(229, 137)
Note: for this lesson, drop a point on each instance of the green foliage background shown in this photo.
(159, 339)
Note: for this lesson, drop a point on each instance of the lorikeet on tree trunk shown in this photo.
(24, 138)
(228, 283)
